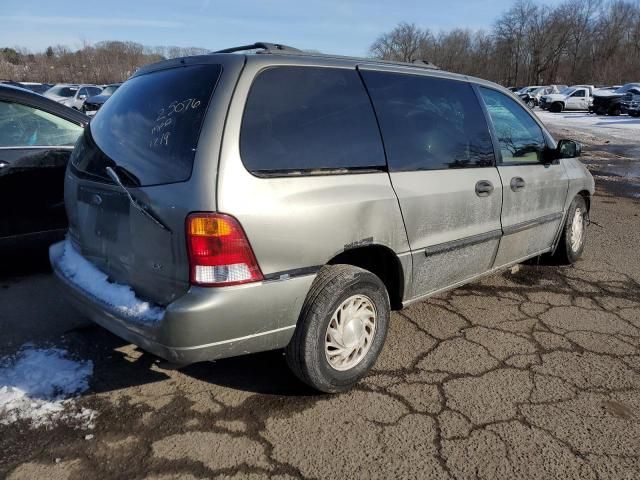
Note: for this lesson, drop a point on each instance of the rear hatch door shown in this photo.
(148, 133)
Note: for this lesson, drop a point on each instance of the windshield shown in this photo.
(63, 91)
(109, 90)
(150, 128)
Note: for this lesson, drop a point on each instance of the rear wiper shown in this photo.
(141, 207)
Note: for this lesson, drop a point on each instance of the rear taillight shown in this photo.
(219, 252)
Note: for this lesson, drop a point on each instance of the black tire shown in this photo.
(531, 104)
(566, 254)
(306, 351)
(634, 114)
(615, 111)
(556, 107)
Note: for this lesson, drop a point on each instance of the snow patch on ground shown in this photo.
(120, 297)
(622, 128)
(39, 386)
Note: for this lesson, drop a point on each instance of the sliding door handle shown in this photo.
(484, 188)
(517, 184)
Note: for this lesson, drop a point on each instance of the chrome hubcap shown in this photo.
(577, 230)
(350, 332)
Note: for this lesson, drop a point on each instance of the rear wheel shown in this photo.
(574, 233)
(615, 111)
(341, 329)
(556, 107)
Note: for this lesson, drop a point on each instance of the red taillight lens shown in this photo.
(219, 252)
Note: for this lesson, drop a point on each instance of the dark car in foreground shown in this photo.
(610, 103)
(37, 136)
(92, 104)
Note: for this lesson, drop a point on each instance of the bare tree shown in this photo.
(405, 43)
(577, 41)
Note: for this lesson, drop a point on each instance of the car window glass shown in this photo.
(91, 91)
(151, 127)
(23, 126)
(429, 123)
(301, 119)
(83, 91)
(520, 137)
(579, 93)
(65, 91)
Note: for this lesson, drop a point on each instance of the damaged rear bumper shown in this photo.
(205, 323)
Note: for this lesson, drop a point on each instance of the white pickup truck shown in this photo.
(577, 97)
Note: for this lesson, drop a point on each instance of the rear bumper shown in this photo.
(205, 323)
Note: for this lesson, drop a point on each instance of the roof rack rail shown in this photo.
(267, 47)
(425, 63)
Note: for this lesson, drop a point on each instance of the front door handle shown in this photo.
(517, 184)
(484, 188)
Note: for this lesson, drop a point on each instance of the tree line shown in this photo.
(104, 62)
(577, 41)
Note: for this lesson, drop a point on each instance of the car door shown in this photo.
(441, 164)
(533, 189)
(577, 100)
(34, 149)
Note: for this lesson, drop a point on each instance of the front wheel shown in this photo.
(341, 329)
(556, 107)
(531, 104)
(574, 233)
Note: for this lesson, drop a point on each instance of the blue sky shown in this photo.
(343, 27)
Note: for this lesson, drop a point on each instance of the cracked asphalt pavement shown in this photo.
(532, 374)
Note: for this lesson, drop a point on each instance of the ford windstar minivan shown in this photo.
(261, 198)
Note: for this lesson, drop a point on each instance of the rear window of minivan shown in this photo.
(149, 128)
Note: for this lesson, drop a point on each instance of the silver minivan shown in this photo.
(261, 198)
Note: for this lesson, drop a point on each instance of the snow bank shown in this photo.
(120, 297)
(622, 128)
(38, 385)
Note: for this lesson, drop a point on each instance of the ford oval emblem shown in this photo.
(96, 199)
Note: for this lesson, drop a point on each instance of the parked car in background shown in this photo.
(242, 203)
(532, 97)
(631, 103)
(92, 104)
(525, 90)
(577, 97)
(37, 136)
(72, 95)
(36, 87)
(610, 102)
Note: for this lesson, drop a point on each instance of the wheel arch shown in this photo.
(381, 261)
(587, 198)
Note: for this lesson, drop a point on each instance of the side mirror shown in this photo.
(82, 97)
(568, 149)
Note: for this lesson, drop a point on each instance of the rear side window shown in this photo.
(429, 123)
(521, 139)
(149, 128)
(309, 120)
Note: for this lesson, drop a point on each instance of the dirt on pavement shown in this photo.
(534, 374)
